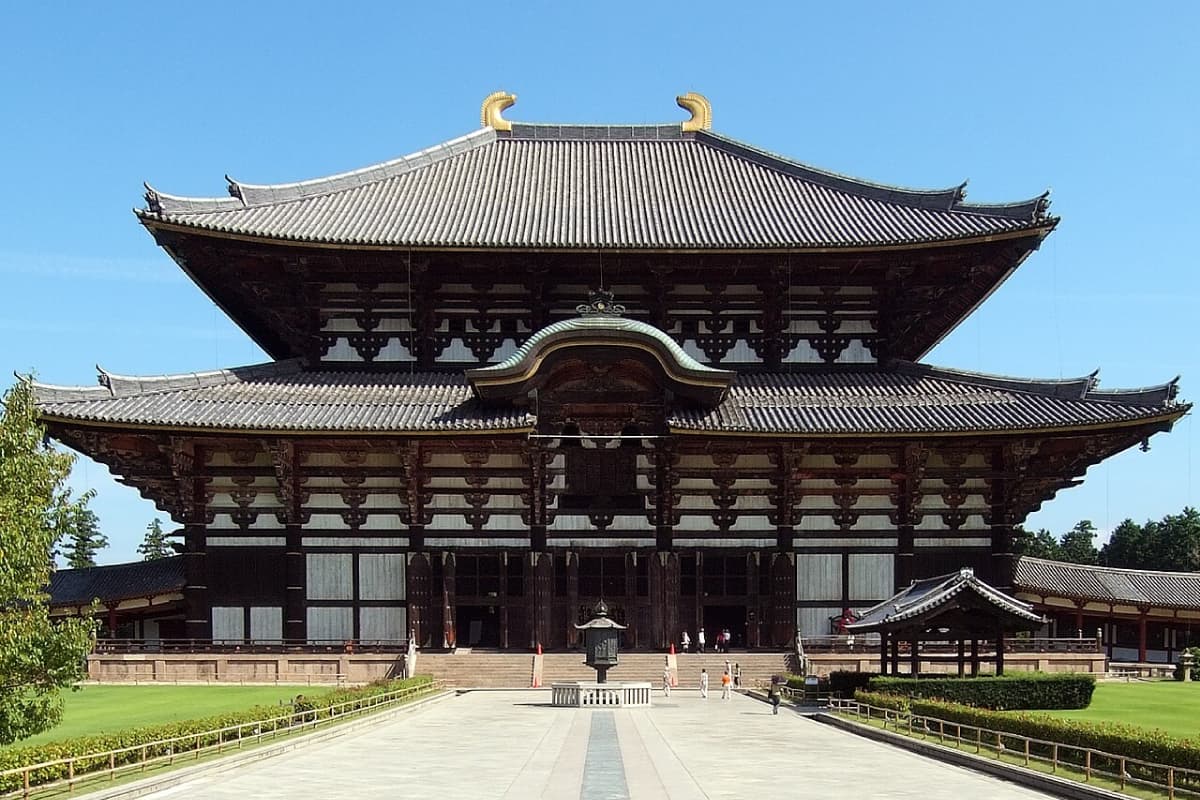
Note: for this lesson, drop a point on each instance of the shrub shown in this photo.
(848, 682)
(316, 707)
(1031, 690)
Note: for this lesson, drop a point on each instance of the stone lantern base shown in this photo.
(577, 694)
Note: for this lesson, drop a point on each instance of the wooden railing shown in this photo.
(1070, 761)
(869, 644)
(64, 774)
(184, 646)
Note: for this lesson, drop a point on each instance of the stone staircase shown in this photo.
(493, 669)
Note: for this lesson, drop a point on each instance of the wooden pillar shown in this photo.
(1079, 619)
(572, 598)
(543, 597)
(1142, 636)
(754, 601)
(449, 602)
(895, 654)
(962, 657)
(914, 655)
(783, 599)
(1000, 651)
(883, 653)
(671, 595)
(295, 626)
(502, 600)
(974, 655)
(418, 592)
(198, 621)
(631, 636)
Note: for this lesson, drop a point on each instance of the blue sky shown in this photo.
(1098, 101)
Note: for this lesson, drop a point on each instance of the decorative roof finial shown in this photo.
(493, 104)
(700, 109)
(600, 304)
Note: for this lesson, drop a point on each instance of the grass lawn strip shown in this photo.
(129, 773)
(107, 709)
(1018, 760)
(1170, 706)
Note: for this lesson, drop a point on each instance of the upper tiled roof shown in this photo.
(902, 399)
(74, 587)
(925, 596)
(594, 186)
(1107, 584)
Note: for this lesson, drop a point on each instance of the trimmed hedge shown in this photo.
(317, 707)
(1030, 690)
(1118, 739)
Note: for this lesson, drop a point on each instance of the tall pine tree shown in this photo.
(154, 543)
(1078, 544)
(83, 539)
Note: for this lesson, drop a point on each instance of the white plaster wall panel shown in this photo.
(696, 502)
(818, 576)
(447, 522)
(505, 522)
(325, 522)
(221, 458)
(382, 522)
(510, 501)
(818, 461)
(692, 349)
(228, 624)
(267, 521)
(355, 541)
(872, 577)
(754, 461)
(381, 576)
(266, 623)
(150, 630)
(803, 353)
(931, 523)
(742, 353)
(326, 500)
(453, 460)
(643, 482)
(330, 624)
(334, 460)
(382, 624)
(456, 351)
(703, 484)
(689, 523)
(624, 541)
(630, 522)
(752, 502)
(395, 351)
(499, 482)
(329, 576)
(448, 482)
(819, 484)
(952, 541)
(855, 353)
(334, 484)
(341, 351)
(691, 461)
(570, 522)
(505, 349)
(264, 499)
(718, 542)
(643, 462)
(384, 500)
(817, 522)
(496, 541)
(806, 542)
(975, 522)
(849, 326)
(815, 621)
(752, 523)
(873, 522)
(753, 483)
(873, 501)
(876, 461)
(245, 541)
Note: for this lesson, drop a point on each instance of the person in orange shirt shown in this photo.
(726, 685)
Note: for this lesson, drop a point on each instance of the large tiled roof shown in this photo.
(1107, 584)
(925, 596)
(74, 587)
(594, 186)
(903, 398)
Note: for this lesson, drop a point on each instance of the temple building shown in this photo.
(542, 365)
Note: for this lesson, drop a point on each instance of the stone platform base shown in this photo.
(580, 695)
(297, 668)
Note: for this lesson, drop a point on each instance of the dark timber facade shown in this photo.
(459, 437)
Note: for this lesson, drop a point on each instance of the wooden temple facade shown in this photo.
(543, 365)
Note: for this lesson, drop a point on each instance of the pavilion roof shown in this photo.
(1136, 587)
(900, 398)
(645, 187)
(932, 596)
(74, 587)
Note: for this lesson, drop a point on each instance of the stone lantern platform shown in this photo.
(600, 642)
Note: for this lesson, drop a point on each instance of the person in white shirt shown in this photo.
(700, 641)
(704, 683)
(686, 641)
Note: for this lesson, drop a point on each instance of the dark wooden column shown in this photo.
(665, 458)
(670, 596)
(419, 596)
(543, 596)
(895, 640)
(572, 598)
(999, 650)
(752, 584)
(295, 625)
(198, 623)
(914, 655)
(974, 655)
(913, 459)
(1142, 634)
(449, 602)
(632, 636)
(883, 653)
(962, 657)
(783, 599)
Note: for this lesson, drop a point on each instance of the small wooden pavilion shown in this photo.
(958, 607)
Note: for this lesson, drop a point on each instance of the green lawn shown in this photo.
(1172, 706)
(100, 709)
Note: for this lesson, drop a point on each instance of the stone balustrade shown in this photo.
(587, 695)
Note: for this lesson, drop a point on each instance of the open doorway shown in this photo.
(477, 626)
(725, 617)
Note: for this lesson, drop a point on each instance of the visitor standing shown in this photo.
(773, 698)
(737, 676)
(726, 639)
(700, 641)
(704, 683)
(728, 667)
(686, 641)
(726, 683)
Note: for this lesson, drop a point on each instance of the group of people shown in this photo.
(722, 645)
(731, 679)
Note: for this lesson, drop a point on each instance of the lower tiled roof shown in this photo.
(900, 399)
(1136, 587)
(77, 587)
(927, 595)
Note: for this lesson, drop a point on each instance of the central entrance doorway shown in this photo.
(478, 626)
(718, 618)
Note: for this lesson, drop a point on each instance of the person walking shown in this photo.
(704, 683)
(685, 642)
(728, 667)
(726, 684)
(666, 680)
(773, 699)
(737, 676)
(700, 641)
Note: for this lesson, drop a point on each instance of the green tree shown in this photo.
(1131, 546)
(38, 658)
(1039, 545)
(82, 535)
(1078, 544)
(1178, 541)
(154, 543)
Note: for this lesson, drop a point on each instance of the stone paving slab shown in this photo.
(511, 745)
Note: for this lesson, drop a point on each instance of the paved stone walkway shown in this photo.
(508, 746)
